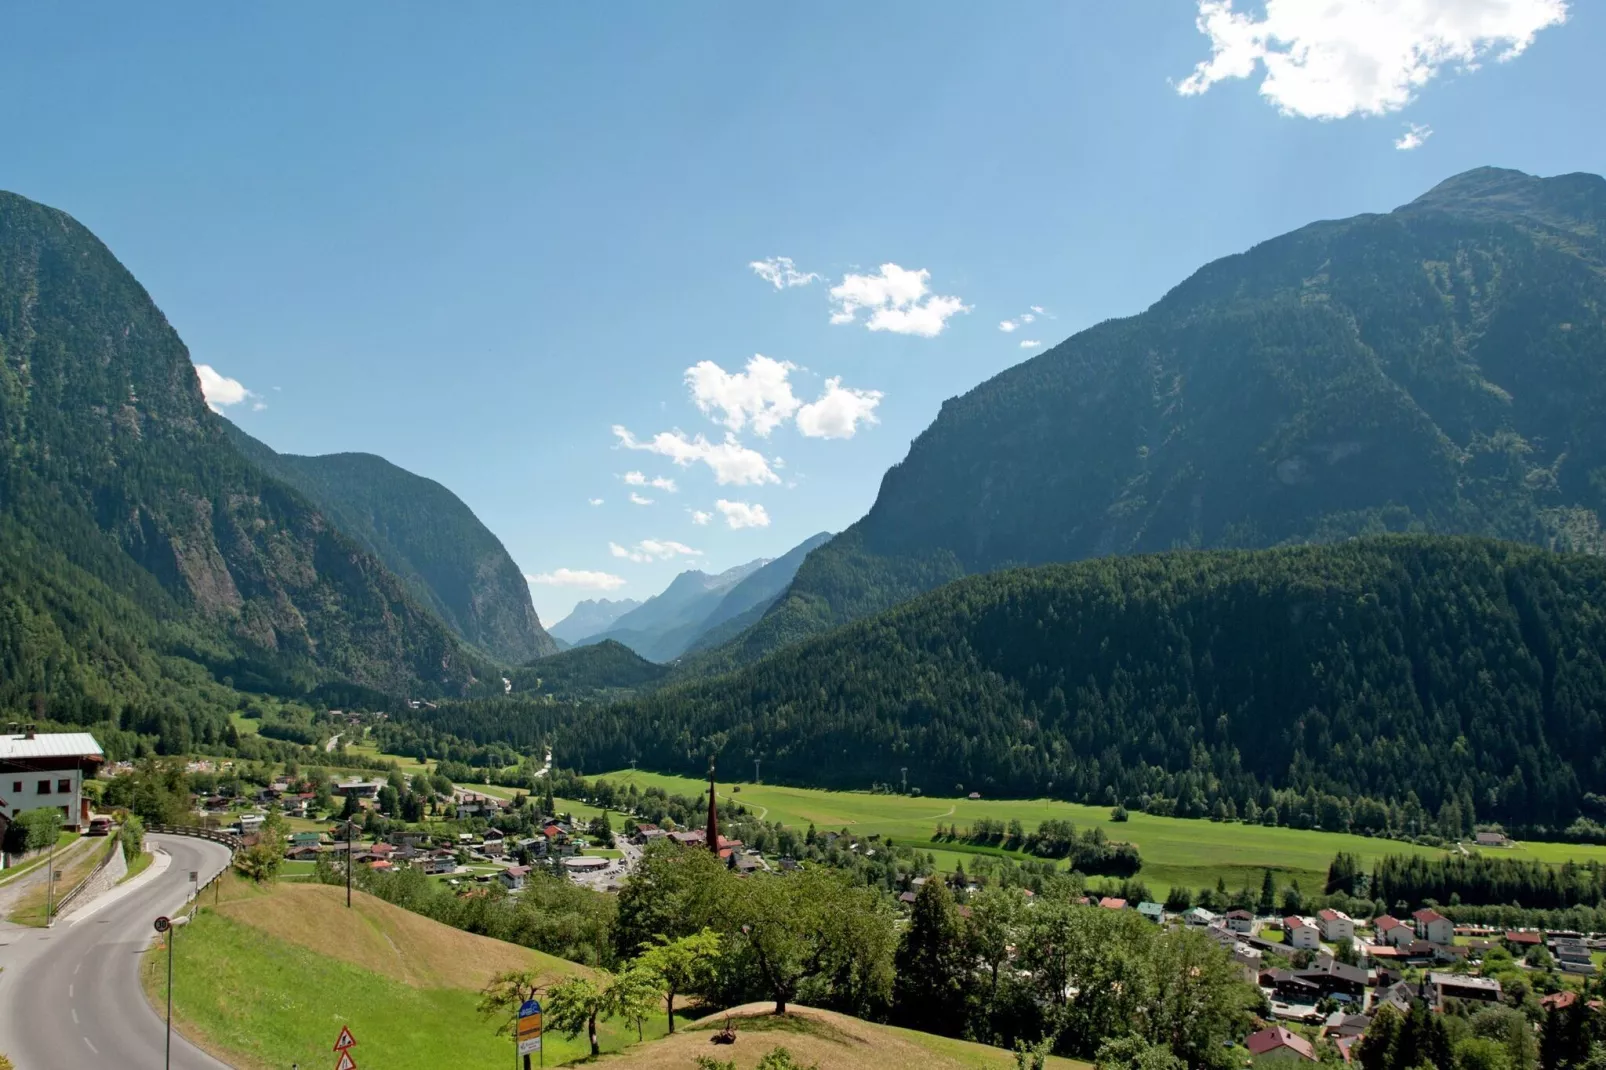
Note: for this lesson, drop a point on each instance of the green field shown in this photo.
(1175, 850)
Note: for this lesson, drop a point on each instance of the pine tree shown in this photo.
(929, 988)
(1268, 894)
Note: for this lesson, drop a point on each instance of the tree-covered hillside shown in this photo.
(1419, 672)
(141, 551)
(424, 534)
(1440, 368)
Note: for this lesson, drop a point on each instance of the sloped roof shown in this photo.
(1278, 1037)
(50, 745)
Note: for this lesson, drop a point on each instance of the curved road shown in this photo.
(70, 996)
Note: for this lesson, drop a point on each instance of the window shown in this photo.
(44, 787)
(16, 787)
(64, 787)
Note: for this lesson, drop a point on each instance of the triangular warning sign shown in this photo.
(346, 1040)
(345, 1062)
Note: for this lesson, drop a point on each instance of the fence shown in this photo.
(228, 839)
(65, 901)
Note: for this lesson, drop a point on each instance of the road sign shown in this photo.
(346, 1040)
(163, 924)
(529, 1027)
(194, 876)
(346, 1062)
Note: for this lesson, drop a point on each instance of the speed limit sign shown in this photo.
(163, 924)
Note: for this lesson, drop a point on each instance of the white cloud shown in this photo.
(652, 550)
(637, 499)
(1038, 309)
(594, 501)
(839, 411)
(699, 517)
(1028, 318)
(1007, 325)
(761, 394)
(571, 577)
(1029, 343)
(1415, 136)
(730, 461)
(219, 390)
(1338, 58)
(779, 272)
(743, 515)
(663, 483)
(898, 300)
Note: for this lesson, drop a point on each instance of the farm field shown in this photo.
(1192, 853)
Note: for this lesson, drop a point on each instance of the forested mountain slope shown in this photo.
(138, 545)
(1418, 670)
(1439, 368)
(426, 536)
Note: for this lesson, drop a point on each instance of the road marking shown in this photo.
(69, 990)
(91, 1044)
(76, 968)
(74, 1015)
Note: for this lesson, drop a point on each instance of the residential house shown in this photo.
(1491, 839)
(1559, 1001)
(1523, 940)
(1393, 931)
(1111, 902)
(1336, 978)
(303, 853)
(513, 877)
(1337, 926)
(1155, 912)
(363, 789)
(1241, 921)
(1434, 927)
(306, 839)
(251, 823)
(1302, 933)
(1445, 986)
(1270, 1047)
(1198, 916)
(1344, 1024)
(1290, 987)
(47, 770)
(1572, 956)
(439, 863)
(646, 832)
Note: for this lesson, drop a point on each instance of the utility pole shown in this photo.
(350, 859)
(50, 881)
(905, 772)
(712, 832)
(756, 780)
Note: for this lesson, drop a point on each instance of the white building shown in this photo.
(47, 770)
(1337, 926)
(1302, 933)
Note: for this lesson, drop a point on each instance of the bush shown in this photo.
(1118, 814)
(132, 837)
(33, 830)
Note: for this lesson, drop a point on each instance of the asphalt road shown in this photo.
(70, 996)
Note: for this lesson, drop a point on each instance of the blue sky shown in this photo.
(477, 243)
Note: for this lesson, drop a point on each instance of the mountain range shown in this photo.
(590, 617)
(426, 536)
(1437, 368)
(697, 610)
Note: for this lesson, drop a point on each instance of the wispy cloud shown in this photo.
(1415, 136)
(730, 461)
(594, 501)
(699, 517)
(897, 300)
(578, 577)
(652, 550)
(639, 479)
(637, 499)
(780, 272)
(1029, 343)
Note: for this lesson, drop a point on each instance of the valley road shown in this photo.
(70, 996)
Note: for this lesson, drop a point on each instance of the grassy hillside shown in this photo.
(268, 977)
(1436, 368)
(832, 1041)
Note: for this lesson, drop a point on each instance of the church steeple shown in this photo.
(712, 833)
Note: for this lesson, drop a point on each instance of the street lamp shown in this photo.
(166, 925)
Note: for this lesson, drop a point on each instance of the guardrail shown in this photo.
(65, 901)
(228, 839)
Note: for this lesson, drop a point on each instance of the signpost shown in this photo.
(343, 1046)
(166, 926)
(528, 1031)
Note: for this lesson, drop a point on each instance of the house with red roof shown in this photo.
(1394, 932)
(1111, 902)
(1337, 927)
(1277, 1045)
(1434, 927)
(1302, 933)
